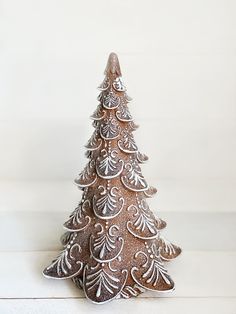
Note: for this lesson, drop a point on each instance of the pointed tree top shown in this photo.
(113, 65)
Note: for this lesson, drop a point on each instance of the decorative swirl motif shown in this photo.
(94, 142)
(127, 143)
(94, 255)
(111, 100)
(129, 291)
(118, 85)
(167, 249)
(109, 204)
(142, 158)
(159, 223)
(67, 264)
(123, 113)
(143, 226)
(109, 129)
(105, 84)
(88, 176)
(108, 165)
(98, 114)
(101, 284)
(133, 179)
(106, 246)
(79, 219)
(151, 273)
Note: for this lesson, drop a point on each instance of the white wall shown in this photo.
(179, 64)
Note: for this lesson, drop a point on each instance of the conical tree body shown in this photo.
(113, 247)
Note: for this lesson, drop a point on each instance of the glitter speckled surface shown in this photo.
(114, 247)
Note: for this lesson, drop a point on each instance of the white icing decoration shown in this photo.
(87, 176)
(118, 85)
(142, 158)
(109, 204)
(144, 226)
(133, 179)
(123, 113)
(108, 165)
(79, 219)
(101, 279)
(129, 291)
(167, 249)
(151, 272)
(94, 142)
(100, 286)
(127, 143)
(98, 114)
(111, 100)
(107, 245)
(109, 129)
(66, 265)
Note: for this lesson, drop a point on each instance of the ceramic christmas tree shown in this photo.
(113, 247)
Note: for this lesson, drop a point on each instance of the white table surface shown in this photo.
(205, 273)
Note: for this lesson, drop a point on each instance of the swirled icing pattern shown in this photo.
(113, 247)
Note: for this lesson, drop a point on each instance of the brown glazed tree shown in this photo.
(113, 246)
